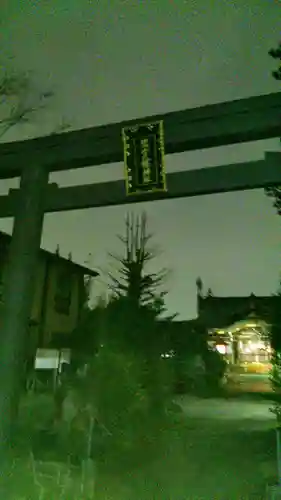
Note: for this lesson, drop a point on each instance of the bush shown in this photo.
(215, 366)
(129, 395)
(189, 374)
(199, 373)
(275, 375)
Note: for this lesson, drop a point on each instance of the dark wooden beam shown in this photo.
(231, 122)
(233, 177)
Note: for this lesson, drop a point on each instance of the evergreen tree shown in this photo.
(136, 300)
(135, 310)
(275, 339)
(127, 381)
(275, 322)
(139, 287)
(275, 191)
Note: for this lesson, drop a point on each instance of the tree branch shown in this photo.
(18, 86)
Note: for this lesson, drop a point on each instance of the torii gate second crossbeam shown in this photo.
(212, 180)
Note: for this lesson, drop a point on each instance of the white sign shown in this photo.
(51, 359)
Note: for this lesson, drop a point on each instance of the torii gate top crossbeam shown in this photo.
(209, 126)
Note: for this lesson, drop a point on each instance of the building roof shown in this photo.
(219, 312)
(51, 256)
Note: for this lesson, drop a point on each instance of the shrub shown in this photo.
(215, 368)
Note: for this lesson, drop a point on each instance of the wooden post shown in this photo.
(18, 292)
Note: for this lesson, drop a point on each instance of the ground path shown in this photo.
(230, 452)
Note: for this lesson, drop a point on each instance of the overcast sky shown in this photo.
(113, 60)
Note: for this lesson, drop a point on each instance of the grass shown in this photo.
(199, 459)
(35, 480)
(44, 469)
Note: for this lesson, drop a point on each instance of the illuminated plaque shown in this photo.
(144, 158)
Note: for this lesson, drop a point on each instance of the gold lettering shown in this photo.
(145, 161)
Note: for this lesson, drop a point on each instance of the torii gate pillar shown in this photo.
(19, 288)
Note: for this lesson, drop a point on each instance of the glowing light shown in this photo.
(221, 348)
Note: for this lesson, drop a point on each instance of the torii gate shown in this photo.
(232, 122)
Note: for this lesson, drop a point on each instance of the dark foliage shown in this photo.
(137, 303)
(275, 191)
(276, 54)
(275, 321)
(133, 282)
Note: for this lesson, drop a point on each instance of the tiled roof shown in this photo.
(49, 255)
(218, 312)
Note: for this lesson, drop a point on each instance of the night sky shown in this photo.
(113, 60)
